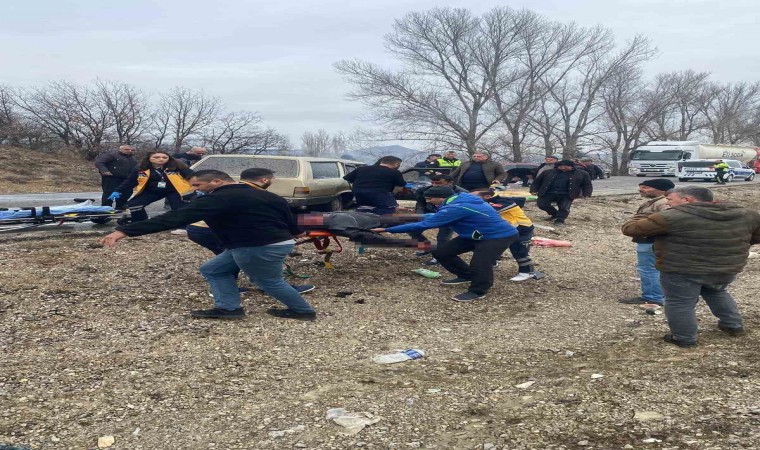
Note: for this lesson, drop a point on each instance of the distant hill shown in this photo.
(369, 155)
(32, 171)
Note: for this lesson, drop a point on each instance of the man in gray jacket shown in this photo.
(477, 173)
(700, 246)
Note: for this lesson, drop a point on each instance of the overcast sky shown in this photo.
(276, 56)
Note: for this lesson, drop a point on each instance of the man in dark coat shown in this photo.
(114, 167)
(191, 156)
(561, 186)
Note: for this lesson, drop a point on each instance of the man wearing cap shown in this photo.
(656, 191)
(480, 229)
(561, 186)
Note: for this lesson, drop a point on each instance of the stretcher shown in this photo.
(322, 240)
(13, 219)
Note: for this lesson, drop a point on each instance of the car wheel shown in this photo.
(750, 177)
(335, 205)
(729, 179)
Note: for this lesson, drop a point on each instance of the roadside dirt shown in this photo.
(98, 342)
(30, 171)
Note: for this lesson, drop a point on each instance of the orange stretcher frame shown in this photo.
(322, 240)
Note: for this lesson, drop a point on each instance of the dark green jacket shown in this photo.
(699, 238)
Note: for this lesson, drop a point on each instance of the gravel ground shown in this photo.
(97, 343)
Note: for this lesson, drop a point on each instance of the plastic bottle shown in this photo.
(427, 273)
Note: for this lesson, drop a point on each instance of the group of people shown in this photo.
(687, 244)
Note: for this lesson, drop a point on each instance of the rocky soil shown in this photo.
(97, 343)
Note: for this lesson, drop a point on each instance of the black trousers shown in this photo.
(484, 255)
(145, 198)
(563, 202)
(109, 184)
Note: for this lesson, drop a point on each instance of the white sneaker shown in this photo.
(179, 231)
(521, 277)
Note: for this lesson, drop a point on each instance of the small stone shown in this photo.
(105, 441)
(583, 443)
(596, 376)
(643, 416)
(651, 440)
(525, 385)
(489, 446)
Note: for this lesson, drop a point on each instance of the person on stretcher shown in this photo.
(356, 227)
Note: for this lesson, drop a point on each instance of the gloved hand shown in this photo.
(114, 196)
(410, 186)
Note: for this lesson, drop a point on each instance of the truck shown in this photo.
(660, 157)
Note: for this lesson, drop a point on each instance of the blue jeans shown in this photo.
(263, 265)
(651, 290)
(683, 291)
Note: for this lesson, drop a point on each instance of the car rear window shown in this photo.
(233, 165)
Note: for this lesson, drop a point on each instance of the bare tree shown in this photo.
(127, 106)
(182, 113)
(10, 120)
(538, 47)
(240, 132)
(630, 107)
(731, 111)
(49, 109)
(690, 92)
(316, 144)
(442, 91)
(576, 96)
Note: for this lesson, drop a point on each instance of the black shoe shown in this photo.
(550, 218)
(454, 281)
(218, 313)
(289, 314)
(670, 340)
(467, 296)
(559, 222)
(633, 301)
(733, 331)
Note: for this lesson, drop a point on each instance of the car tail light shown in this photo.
(301, 191)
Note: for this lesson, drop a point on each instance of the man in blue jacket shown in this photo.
(481, 231)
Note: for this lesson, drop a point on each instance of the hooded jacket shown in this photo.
(468, 215)
(699, 238)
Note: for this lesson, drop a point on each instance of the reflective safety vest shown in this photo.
(182, 186)
(442, 162)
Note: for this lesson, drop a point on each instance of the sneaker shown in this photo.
(304, 288)
(179, 232)
(521, 277)
(733, 331)
(290, 314)
(218, 313)
(456, 280)
(467, 296)
(432, 262)
(420, 254)
(559, 222)
(633, 301)
(550, 218)
(670, 340)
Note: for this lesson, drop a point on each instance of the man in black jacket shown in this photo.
(561, 185)
(191, 156)
(255, 227)
(373, 185)
(114, 167)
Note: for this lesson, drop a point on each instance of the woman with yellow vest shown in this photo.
(157, 176)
